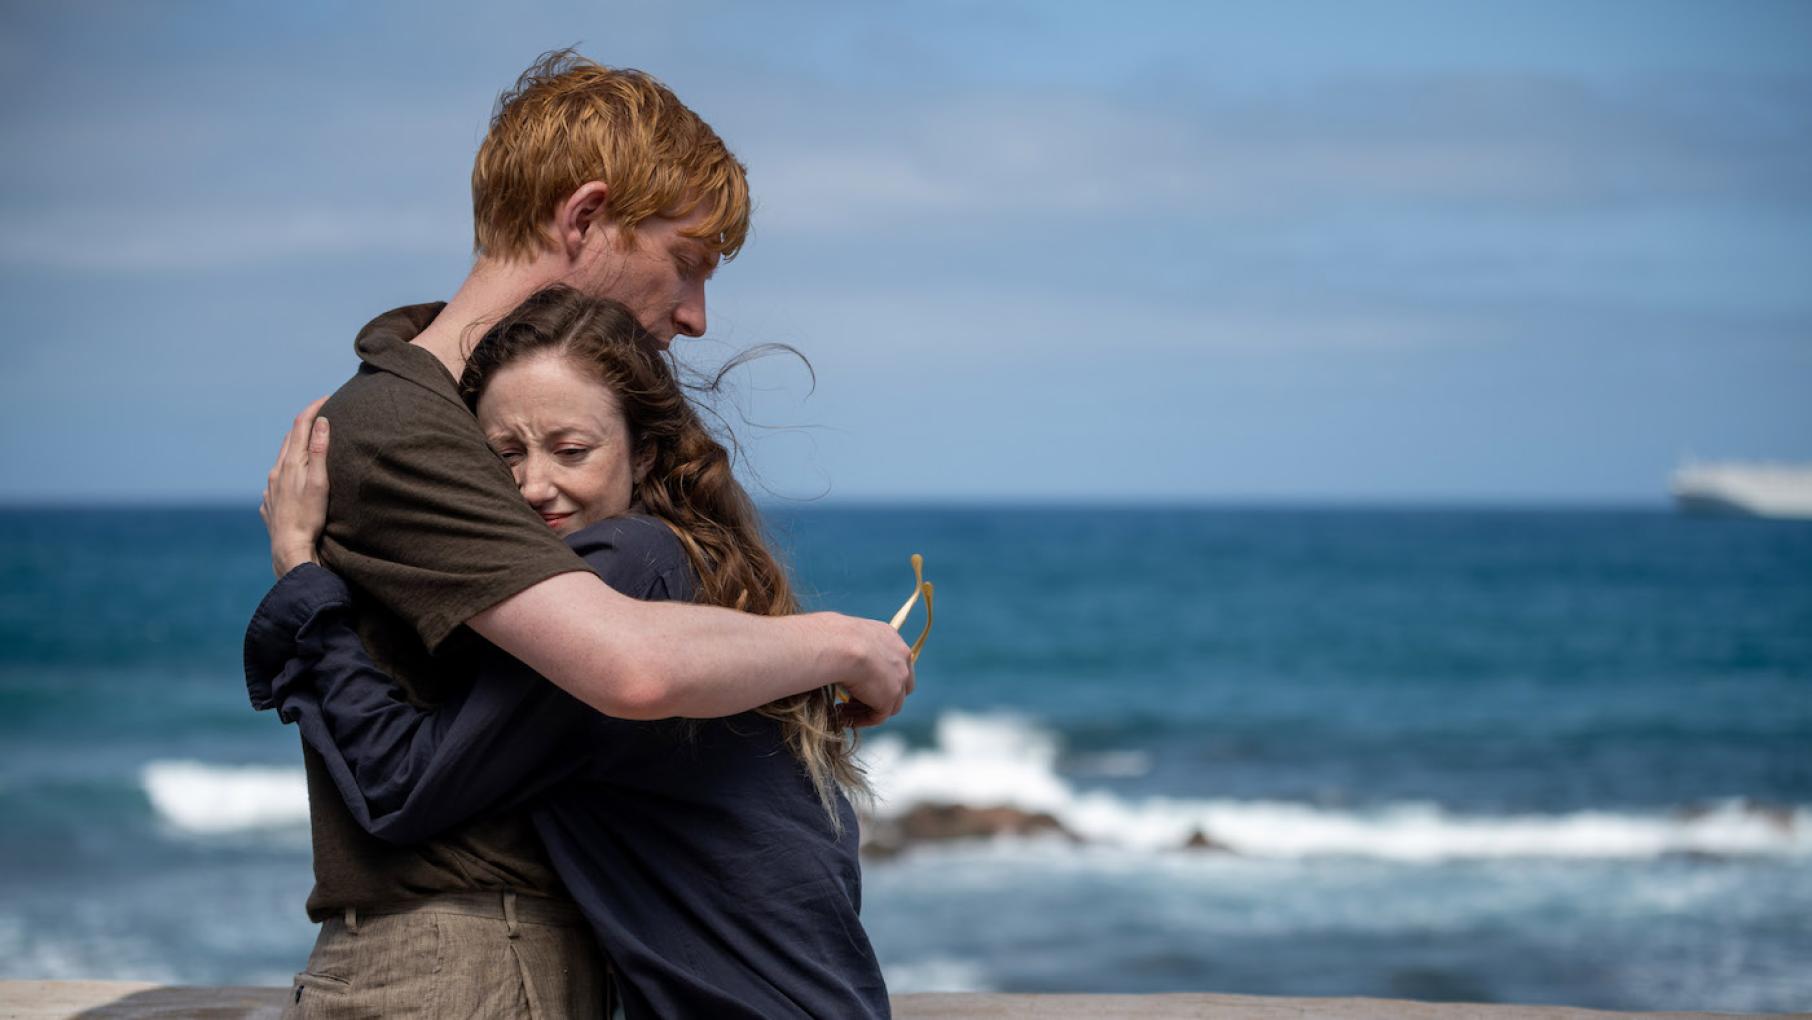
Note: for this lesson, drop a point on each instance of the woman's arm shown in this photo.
(406, 773)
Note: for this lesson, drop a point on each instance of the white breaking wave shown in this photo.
(215, 799)
(1005, 760)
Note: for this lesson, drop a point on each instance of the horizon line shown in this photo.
(978, 501)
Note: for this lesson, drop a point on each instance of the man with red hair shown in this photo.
(603, 180)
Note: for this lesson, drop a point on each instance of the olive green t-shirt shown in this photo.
(426, 526)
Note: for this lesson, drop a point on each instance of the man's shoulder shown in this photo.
(378, 414)
(374, 393)
(396, 380)
(367, 392)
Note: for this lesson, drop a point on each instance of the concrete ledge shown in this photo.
(128, 1000)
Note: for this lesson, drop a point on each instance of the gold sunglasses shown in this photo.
(920, 586)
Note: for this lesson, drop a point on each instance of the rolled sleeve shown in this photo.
(288, 609)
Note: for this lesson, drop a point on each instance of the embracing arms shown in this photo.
(406, 772)
(626, 658)
(652, 660)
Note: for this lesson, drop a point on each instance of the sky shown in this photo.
(1301, 252)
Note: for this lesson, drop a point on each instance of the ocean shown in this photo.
(1518, 755)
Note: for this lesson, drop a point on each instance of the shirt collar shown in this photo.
(384, 344)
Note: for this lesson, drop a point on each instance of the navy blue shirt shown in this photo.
(698, 850)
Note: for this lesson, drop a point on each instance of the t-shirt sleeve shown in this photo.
(422, 517)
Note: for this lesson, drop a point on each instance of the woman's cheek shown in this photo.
(624, 494)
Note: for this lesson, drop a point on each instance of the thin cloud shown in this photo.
(1004, 327)
(1454, 141)
(135, 239)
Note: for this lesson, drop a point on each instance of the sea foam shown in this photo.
(983, 760)
(211, 799)
(990, 760)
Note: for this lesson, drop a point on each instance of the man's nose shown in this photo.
(689, 317)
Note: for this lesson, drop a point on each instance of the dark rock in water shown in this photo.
(933, 823)
(1199, 840)
(880, 838)
(959, 821)
(1779, 816)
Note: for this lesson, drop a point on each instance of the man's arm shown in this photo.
(651, 660)
(422, 484)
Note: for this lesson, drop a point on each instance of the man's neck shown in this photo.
(490, 291)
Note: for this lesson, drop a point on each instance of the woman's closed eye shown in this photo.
(572, 454)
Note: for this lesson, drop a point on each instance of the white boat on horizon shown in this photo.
(1747, 489)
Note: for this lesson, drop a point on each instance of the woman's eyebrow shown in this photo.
(569, 431)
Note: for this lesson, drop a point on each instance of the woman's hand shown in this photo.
(295, 494)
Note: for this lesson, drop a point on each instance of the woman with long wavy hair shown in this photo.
(714, 859)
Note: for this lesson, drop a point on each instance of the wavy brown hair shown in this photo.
(688, 485)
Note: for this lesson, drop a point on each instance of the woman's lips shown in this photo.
(555, 520)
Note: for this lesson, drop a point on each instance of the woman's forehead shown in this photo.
(547, 393)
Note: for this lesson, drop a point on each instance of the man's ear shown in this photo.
(582, 217)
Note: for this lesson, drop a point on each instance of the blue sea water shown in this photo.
(1491, 755)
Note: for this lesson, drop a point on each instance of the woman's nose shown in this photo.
(533, 481)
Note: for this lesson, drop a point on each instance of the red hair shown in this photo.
(568, 121)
